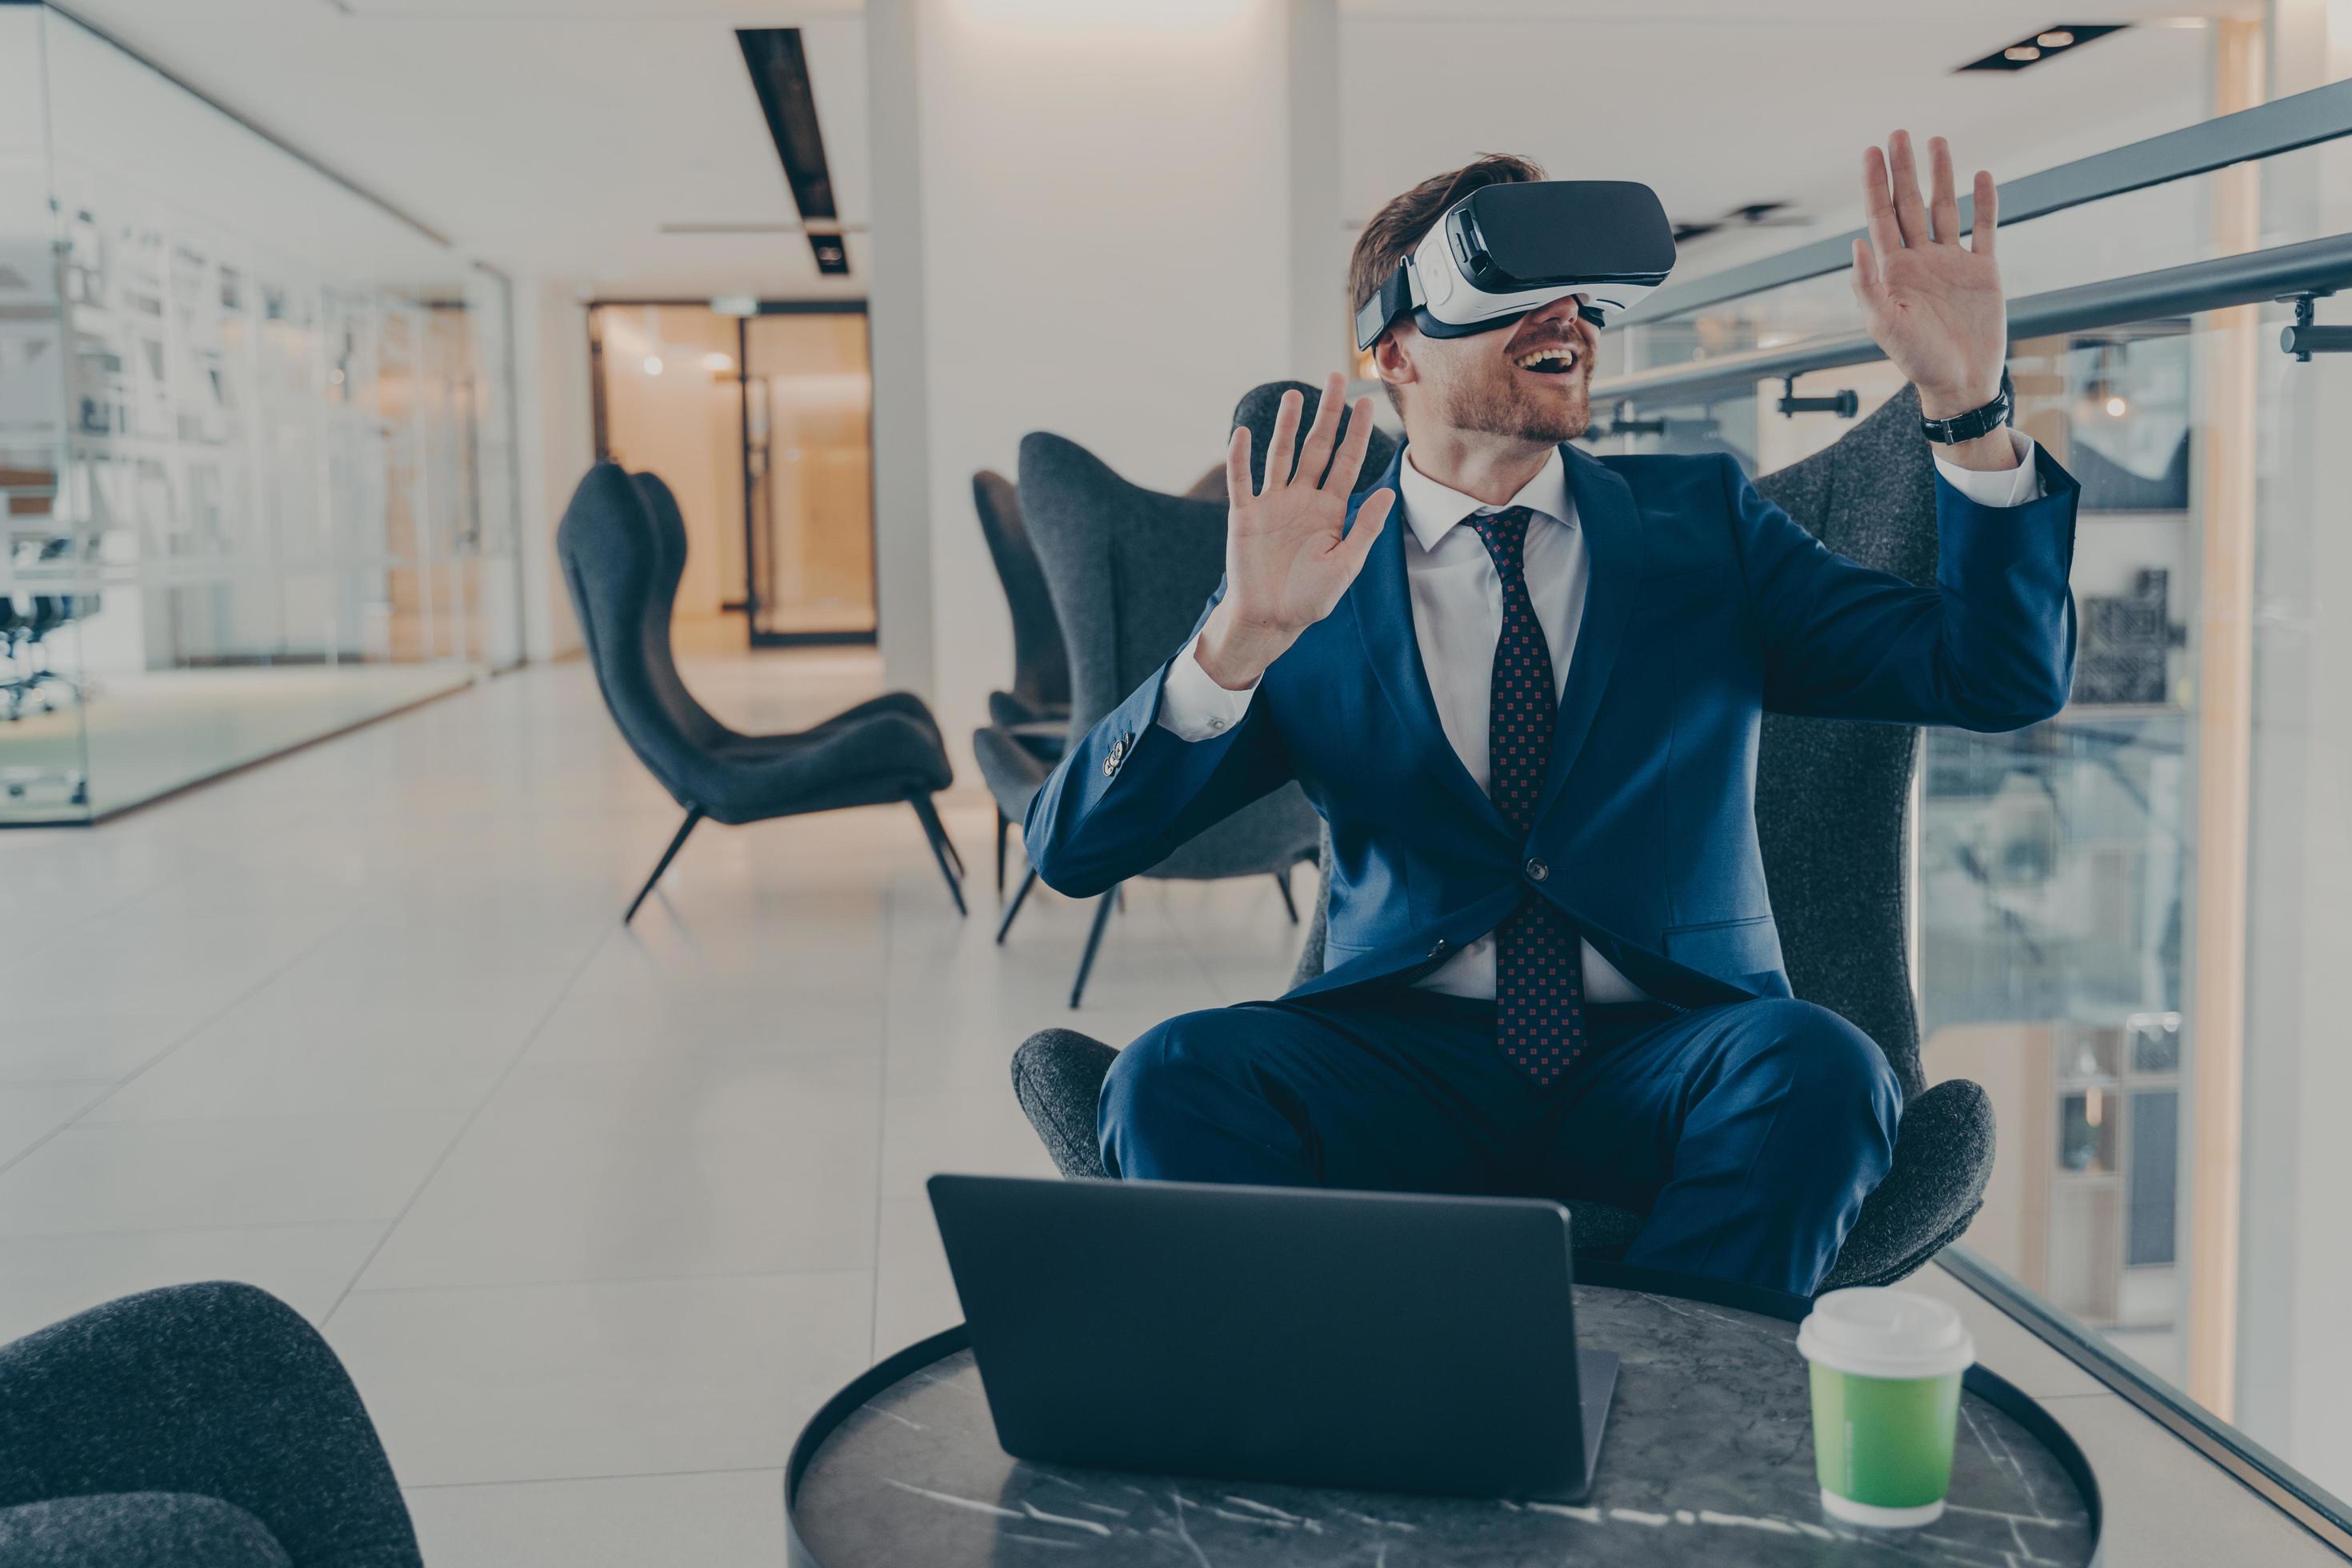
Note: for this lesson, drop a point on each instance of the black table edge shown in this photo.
(1991, 1386)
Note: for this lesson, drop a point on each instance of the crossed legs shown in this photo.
(1749, 1132)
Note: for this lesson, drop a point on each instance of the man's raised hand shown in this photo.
(1289, 553)
(1935, 305)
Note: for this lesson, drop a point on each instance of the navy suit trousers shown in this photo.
(1748, 1133)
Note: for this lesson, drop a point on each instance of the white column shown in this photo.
(1106, 240)
(899, 347)
(1321, 312)
(555, 435)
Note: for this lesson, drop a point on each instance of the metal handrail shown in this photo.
(2306, 267)
(2303, 120)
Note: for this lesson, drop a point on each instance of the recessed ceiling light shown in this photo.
(653, 365)
(2117, 407)
(716, 360)
(2044, 43)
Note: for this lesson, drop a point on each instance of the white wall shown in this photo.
(1106, 256)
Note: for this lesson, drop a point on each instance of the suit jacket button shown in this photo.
(1118, 755)
(1538, 871)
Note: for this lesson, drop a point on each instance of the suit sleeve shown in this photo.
(1133, 789)
(1989, 645)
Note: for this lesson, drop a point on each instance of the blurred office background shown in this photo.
(312, 312)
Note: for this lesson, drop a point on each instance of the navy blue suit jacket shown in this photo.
(1706, 606)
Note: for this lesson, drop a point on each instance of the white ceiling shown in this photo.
(1721, 103)
(557, 137)
(553, 137)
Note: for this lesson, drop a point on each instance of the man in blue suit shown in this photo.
(1529, 716)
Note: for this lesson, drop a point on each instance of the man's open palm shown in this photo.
(1289, 554)
(1934, 304)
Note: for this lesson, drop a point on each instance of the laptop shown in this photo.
(1379, 1341)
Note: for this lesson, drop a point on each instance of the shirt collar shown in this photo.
(1431, 508)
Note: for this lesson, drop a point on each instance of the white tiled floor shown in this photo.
(597, 1216)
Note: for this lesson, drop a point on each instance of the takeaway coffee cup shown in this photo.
(1887, 1368)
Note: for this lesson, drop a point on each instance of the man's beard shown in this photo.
(1506, 406)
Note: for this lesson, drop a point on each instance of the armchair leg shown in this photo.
(1103, 907)
(1028, 881)
(693, 815)
(1002, 824)
(941, 847)
(1282, 881)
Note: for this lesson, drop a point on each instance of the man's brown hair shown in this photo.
(1406, 220)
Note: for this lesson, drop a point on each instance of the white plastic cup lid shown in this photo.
(1872, 1331)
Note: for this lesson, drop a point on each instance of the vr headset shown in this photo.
(1503, 250)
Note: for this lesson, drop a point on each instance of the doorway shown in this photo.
(762, 427)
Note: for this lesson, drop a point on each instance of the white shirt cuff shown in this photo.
(1998, 487)
(1192, 707)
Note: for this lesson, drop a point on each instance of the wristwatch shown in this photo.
(1976, 421)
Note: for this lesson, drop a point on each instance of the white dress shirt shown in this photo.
(1457, 619)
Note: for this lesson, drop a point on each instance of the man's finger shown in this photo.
(1350, 462)
(1279, 442)
(1316, 450)
(1864, 276)
(1237, 474)
(1910, 211)
(1885, 235)
(1357, 548)
(1988, 214)
(1944, 208)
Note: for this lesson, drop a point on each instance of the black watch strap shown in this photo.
(1976, 421)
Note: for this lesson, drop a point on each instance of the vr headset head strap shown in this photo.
(1392, 298)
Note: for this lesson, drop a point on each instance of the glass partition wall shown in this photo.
(259, 465)
(2125, 918)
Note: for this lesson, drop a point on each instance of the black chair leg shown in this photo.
(1282, 881)
(1103, 907)
(941, 847)
(1028, 881)
(1002, 824)
(693, 815)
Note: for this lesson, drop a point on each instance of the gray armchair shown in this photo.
(1831, 808)
(1129, 570)
(622, 545)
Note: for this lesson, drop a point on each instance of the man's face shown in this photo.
(1531, 381)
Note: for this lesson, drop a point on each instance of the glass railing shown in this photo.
(2129, 921)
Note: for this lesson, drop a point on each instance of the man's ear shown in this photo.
(1393, 355)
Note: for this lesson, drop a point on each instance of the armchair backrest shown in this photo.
(669, 570)
(1130, 569)
(1041, 667)
(1832, 796)
(613, 565)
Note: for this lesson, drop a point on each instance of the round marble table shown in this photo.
(1709, 1459)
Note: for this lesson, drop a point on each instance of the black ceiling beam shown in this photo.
(780, 76)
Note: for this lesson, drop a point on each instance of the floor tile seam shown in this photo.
(692, 1277)
(530, 1036)
(201, 1025)
(609, 1476)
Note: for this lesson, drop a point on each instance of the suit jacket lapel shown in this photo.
(1612, 553)
(1384, 609)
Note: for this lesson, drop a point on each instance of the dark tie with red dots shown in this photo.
(1539, 956)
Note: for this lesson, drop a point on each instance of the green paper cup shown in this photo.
(1887, 1368)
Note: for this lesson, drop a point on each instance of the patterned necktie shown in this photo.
(1539, 956)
